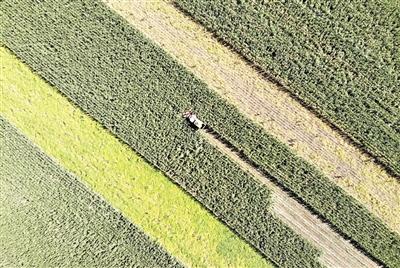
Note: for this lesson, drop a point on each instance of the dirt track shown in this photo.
(266, 104)
(336, 252)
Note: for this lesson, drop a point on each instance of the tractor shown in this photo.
(193, 120)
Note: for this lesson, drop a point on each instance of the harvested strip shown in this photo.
(336, 251)
(290, 41)
(138, 92)
(131, 185)
(268, 105)
(350, 217)
(48, 218)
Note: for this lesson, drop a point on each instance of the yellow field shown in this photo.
(143, 194)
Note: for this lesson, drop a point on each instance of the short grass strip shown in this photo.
(138, 92)
(132, 186)
(341, 58)
(49, 219)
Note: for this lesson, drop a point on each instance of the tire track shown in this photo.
(336, 251)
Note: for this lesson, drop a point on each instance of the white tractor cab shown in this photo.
(193, 120)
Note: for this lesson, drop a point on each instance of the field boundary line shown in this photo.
(109, 167)
(350, 139)
(337, 250)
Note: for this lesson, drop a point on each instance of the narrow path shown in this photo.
(265, 103)
(336, 251)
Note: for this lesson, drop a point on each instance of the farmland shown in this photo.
(37, 195)
(272, 108)
(127, 107)
(141, 193)
(332, 71)
(336, 251)
(144, 105)
(237, 193)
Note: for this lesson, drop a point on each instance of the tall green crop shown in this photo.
(328, 57)
(341, 59)
(48, 218)
(138, 92)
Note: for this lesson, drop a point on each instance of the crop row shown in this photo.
(324, 58)
(373, 52)
(322, 195)
(138, 92)
(100, 161)
(39, 197)
(312, 187)
(351, 21)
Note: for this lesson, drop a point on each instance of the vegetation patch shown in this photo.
(225, 73)
(48, 218)
(138, 92)
(140, 192)
(340, 58)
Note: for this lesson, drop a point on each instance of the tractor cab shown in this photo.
(193, 120)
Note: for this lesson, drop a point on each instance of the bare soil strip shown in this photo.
(265, 103)
(336, 251)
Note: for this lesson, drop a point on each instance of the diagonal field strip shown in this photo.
(266, 104)
(308, 47)
(336, 251)
(50, 219)
(136, 91)
(132, 186)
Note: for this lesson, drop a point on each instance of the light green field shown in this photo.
(50, 219)
(143, 194)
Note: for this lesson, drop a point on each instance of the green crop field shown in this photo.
(152, 126)
(147, 102)
(140, 192)
(105, 102)
(342, 59)
(48, 218)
